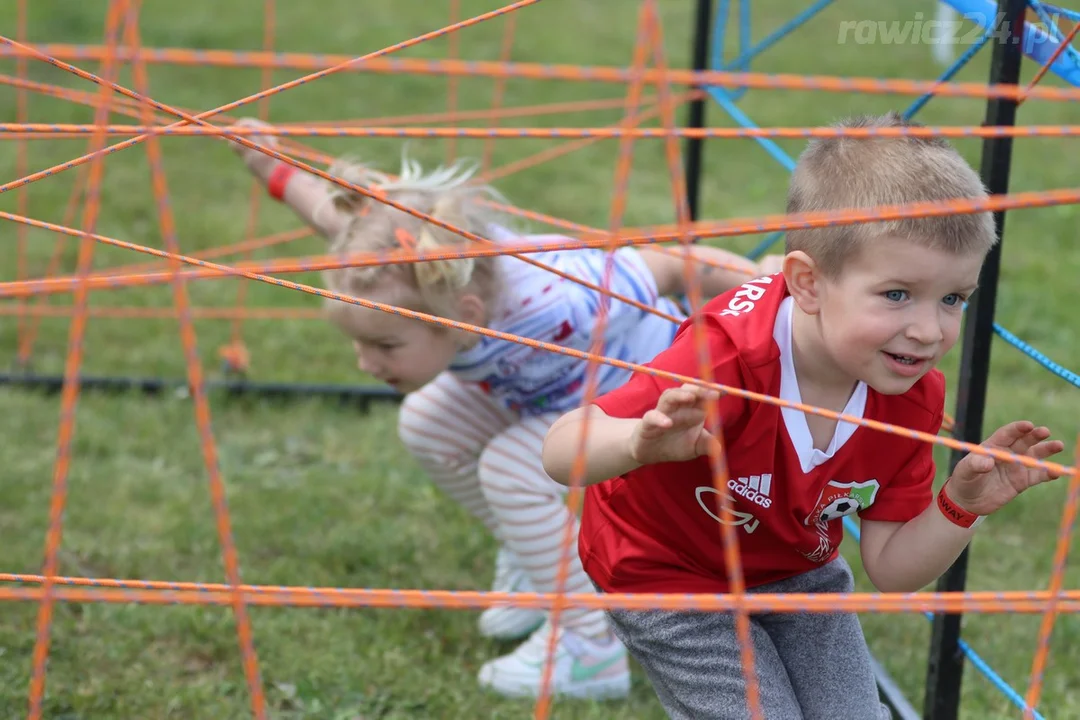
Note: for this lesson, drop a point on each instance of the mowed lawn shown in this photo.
(320, 493)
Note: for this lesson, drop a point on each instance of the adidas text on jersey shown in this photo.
(755, 488)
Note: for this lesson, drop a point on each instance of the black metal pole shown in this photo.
(696, 118)
(945, 668)
(360, 394)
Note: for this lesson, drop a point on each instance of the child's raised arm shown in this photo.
(674, 431)
(904, 557)
(306, 194)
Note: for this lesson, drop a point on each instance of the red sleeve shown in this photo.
(640, 393)
(910, 490)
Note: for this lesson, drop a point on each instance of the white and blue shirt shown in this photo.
(540, 305)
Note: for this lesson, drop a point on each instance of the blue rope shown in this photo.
(742, 62)
(719, 37)
(740, 117)
(1052, 30)
(949, 73)
(1039, 44)
(1069, 14)
(764, 245)
(744, 35)
(976, 659)
(1065, 374)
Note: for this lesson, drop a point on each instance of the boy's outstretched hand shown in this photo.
(267, 141)
(982, 484)
(674, 430)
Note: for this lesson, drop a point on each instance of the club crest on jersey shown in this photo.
(746, 296)
(838, 499)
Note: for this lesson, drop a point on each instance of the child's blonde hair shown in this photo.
(835, 173)
(446, 194)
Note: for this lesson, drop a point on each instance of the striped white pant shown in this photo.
(487, 458)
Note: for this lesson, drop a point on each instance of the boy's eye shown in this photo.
(952, 299)
(895, 295)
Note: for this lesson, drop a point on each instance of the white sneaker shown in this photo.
(583, 667)
(507, 622)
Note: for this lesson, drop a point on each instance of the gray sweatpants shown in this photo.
(810, 666)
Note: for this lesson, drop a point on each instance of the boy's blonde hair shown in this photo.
(446, 194)
(835, 173)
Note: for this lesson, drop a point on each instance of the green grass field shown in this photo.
(321, 494)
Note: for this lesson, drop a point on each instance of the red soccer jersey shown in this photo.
(657, 529)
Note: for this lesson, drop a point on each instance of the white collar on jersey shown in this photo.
(795, 420)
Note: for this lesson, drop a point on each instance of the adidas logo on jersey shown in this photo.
(755, 488)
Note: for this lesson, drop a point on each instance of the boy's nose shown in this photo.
(365, 364)
(925, 329)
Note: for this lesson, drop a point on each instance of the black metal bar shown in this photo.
(696, 117)
(238, 388)
(892, 695)
(946, 663)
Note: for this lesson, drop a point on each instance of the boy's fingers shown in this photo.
(1043, 450)
(982, 463)
(672, 399)
(1031, 439)
(1024, 443)
(1006, 435)
(697, 394)
(655, 418)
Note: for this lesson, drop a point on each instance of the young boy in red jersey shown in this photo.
(855, 323)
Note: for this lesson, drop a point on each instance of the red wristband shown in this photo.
(279, 178)
(956, 514)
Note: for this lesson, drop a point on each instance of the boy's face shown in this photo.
(895, 310)
(404, 353)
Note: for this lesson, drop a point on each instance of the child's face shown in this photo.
(895, 311)
(405, 354)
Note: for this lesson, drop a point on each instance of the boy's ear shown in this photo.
(472, 310)
(803, 278)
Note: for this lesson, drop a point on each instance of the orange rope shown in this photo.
(112, 590)
(26, 343)
(145, 313)
(452, 81)
(70, 391)
(201, 404)
(542, 109)
(729, 228)
(238, 595)
(129, 107)
(498, 90)
(947, 131)
(21, 167)
(1046, 66)
(1057, 580)
(620, 183)
(465, 327)
(571, 146)
(221, 251)
(20, 48)
(235, 354)
(557, 72)
(326, 176)
(717, 450)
